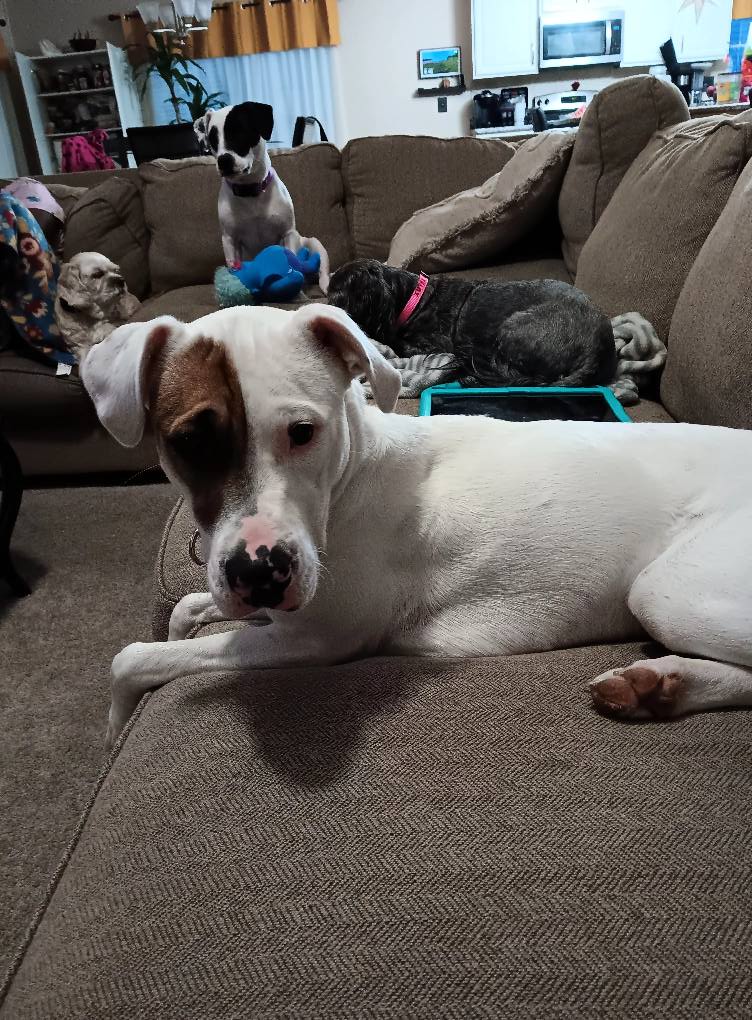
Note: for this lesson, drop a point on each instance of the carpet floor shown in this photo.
(88, 555)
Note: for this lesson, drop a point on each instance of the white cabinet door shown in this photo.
(701, 29)
(647, 25)
(505, 38)
(37, 113)
(126, 90)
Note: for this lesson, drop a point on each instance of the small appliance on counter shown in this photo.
(559, 109)
(581, 36)
(497, 113)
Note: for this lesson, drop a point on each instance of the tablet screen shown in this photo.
(526, 406)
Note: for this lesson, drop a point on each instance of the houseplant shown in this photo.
(187, 94)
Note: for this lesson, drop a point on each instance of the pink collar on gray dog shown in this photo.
(254, 190)
(413, 300)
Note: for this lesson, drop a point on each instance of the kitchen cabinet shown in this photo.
(647, 25)
(505, 38)
(701, 30)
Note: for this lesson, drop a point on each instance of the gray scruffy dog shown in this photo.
(520, 333)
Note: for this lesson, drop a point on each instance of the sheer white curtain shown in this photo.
(295, 82)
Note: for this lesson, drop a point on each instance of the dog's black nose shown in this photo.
(225, 164)
(261, 580)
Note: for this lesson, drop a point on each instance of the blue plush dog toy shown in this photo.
(276, 274)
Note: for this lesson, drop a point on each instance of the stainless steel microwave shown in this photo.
(575, 39)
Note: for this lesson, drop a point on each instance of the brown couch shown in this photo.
(454, 838)
(159, 222)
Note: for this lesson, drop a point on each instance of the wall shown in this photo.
(57, 20)
(377, 68)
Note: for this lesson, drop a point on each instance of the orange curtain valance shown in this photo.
(259, 28)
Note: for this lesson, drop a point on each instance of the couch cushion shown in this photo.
(401, 837)
(313, 176)
(387, 179)
(650, 411)
(484, 222)
(33, 397)
(51, 424)
(185, 303)
(532, 269)
(66, 196)
(615, 128)
(110, 219)
(645, 243)
(189, 303)
(708, 375)
(180, 203)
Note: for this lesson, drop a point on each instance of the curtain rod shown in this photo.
(243, 6)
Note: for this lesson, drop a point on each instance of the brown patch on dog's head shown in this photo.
(197, 413)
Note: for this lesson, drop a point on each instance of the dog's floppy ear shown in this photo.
(70, 289)
(261, 116)
(200, 126)
(117, 373)
(335, 329)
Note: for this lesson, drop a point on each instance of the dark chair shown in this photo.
(165, 141)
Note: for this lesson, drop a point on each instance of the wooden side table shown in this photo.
(10, 501)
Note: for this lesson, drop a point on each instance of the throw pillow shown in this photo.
(479, 224)
(615, 128)
(387, 178)
(708, 376)
(651, 232)
(110, 219)
(66, 195)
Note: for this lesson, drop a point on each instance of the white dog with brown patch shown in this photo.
(352, 532)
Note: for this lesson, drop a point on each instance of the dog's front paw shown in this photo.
(640, 691)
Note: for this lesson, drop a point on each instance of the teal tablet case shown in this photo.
(619, 412)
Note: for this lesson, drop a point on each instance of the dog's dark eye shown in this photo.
(197, 443)
(97, 274)
(300, 433)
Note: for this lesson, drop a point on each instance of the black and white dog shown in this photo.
(255, 208)
(520, 333)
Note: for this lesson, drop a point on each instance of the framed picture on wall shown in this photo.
(438, 63)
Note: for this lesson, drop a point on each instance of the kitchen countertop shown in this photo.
(729, 108)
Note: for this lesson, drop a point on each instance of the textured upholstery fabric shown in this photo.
(313, 176)
(110, 219)
(388, 179)
(640, 253)
(708, 376)
(66, 195)
(51, 424)
(482, 223)
(406, 837)
(180, 204)
(185, 303)
(529, 269)
(616, 127)
(650, 411)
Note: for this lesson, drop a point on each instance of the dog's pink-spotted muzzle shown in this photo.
(261, 568)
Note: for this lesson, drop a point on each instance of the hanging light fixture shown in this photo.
(175, 17)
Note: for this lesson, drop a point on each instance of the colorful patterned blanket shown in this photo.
(30, 272)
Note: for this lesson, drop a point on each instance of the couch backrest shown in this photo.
(645, 243)
(615, 128)
(708, 376)
(389, 178)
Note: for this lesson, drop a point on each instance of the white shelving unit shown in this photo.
(37, 75)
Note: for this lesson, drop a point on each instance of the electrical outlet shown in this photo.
(442, 104)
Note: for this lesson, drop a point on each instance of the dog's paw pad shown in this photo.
(636, 691)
